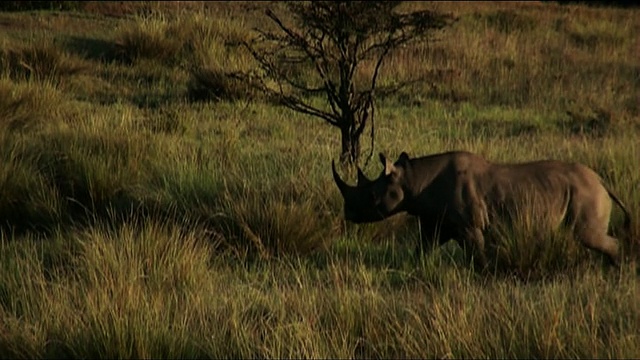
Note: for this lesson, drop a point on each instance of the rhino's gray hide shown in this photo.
(458, 195)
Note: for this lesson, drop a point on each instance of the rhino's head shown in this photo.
(375, 200)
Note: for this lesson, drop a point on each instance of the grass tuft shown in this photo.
(208, 84)
(274, 223)
(29, 106)
(136, 223)
(43, 61)
(147, 38)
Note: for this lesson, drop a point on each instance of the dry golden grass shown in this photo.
(130, 216)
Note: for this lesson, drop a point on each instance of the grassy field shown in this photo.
(150, 208)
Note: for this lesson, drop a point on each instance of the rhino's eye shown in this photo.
(393, 195)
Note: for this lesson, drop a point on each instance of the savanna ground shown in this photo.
(151, 208)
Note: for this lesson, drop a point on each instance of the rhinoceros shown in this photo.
(459, 195)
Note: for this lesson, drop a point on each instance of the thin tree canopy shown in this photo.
(336, 49)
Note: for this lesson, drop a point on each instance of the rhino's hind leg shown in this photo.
(592, 225)
(603, 243)
(474, 248)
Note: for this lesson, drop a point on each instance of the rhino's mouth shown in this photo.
(373, 215)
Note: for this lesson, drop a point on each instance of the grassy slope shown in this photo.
(139, 224)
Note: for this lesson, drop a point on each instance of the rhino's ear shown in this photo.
(403, 160)
(403, 157)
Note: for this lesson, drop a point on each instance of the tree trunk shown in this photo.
(350, 144)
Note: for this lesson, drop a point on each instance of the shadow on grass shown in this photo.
(91, 48)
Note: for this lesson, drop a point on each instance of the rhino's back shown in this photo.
(548, 176)
(547, 188)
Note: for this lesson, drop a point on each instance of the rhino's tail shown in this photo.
(627, 216)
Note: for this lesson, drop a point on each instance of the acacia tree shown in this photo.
(324, 47)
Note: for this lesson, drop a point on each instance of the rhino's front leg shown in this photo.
(475, 248)
(432, 234)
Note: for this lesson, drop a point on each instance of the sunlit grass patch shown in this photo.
(115, 285)
(137, 223)
(531, 243)
(28, 106)
(39, 60)
(274, 223)
(147, 39)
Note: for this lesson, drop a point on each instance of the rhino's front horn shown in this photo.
(343, 186)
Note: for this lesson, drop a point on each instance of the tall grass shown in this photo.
(27, 106)
(40, 60)
(525, 55)
(526, 243)
(160, 290)
(136, 222)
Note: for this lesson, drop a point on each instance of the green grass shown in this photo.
(160, 290)
(151, 208)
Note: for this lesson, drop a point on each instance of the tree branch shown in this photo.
(337, 39)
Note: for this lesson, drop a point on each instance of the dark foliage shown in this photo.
(620, 4)
(41, 5)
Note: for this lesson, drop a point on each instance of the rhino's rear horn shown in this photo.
(388, 165)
